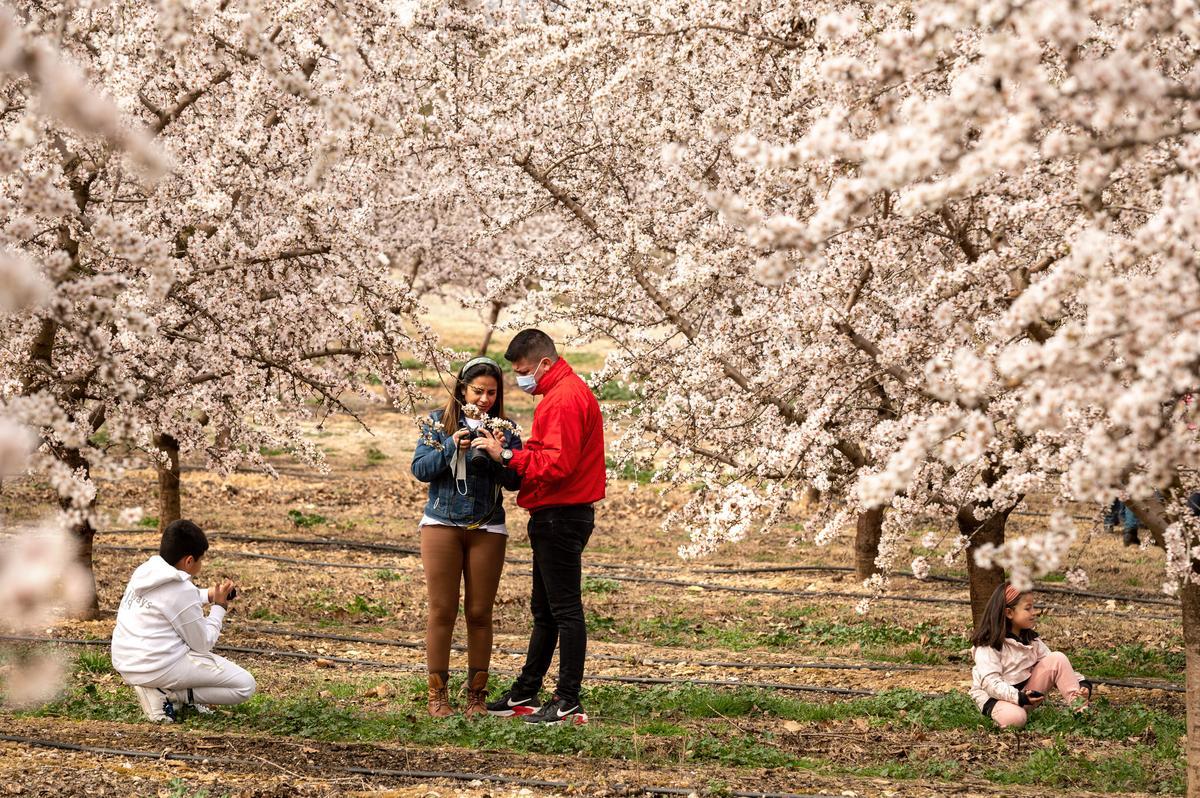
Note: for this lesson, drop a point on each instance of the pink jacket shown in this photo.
(996, 672)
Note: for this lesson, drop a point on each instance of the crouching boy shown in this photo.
(162, 645)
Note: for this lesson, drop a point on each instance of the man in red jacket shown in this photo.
(562, 474)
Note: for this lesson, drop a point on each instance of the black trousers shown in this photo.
(558, 536)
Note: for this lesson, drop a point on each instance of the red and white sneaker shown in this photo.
(510, 705)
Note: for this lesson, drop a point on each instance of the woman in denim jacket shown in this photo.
(463, 533)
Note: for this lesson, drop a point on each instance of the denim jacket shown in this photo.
(445, 503)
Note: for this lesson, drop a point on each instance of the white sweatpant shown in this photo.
(211, 678)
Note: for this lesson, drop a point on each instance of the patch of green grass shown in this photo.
(686, 630)
(100, 438)
(375, 456)
(388, 575)
(360, 605)
(411, 363)
(148, 521)
(924, 643)
(629, 472)
(180, 789)
(1129, 659)
(1140, 769)
(585, 361)
(306, 520)
(271, 451)
(94, 662)
(614, 391)
(264, 614)
(600, 623)
(1054, 578)
(592, 584)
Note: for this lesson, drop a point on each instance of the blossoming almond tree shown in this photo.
(40, 577)
(244, 282)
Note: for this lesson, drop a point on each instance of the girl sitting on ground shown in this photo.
(1013, 668)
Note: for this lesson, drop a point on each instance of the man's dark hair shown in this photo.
(180, 539)
(530, 344)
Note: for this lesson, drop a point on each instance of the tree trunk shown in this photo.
(1151, 513)
(168, 481)
(83, 531)
(983, 581)
(493, 315)
(1190, 599)
(808, 498)
(866, 542)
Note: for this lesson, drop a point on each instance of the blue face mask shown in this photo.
(528, 382)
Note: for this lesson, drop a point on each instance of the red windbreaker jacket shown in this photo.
(563, 458)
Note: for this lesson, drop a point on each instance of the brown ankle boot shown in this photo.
(477, 684)
(439, 696)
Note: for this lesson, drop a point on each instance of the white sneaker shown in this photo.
(155, 704)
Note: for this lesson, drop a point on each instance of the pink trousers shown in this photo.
(1053, 669)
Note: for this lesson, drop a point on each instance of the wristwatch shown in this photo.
(505, 456)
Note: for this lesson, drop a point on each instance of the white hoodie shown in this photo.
(161, 618)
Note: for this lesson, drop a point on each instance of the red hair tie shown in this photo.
(1011, 594)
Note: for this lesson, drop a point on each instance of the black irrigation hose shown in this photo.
(677, 583)
(90, 749)
(274, 558)
(449, 775)
(1033, 514)
(803, 688)
(844, 594)
(414, 552)
(833, 666)
(302, 655)
(1041, 587)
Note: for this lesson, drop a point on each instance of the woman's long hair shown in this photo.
(994, 626)
(453, 411)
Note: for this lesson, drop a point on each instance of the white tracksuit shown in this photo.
(162, 638)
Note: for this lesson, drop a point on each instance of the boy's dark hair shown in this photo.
(530, 344)
(994, 625)
(180, 539)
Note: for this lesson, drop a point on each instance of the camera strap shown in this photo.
(458, 464)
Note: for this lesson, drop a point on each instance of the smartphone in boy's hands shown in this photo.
(233, 594)
(1031, 693)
